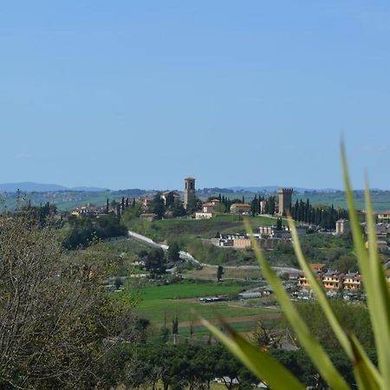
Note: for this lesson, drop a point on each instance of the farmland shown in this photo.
(162, 303)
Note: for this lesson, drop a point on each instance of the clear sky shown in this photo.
(126, 94)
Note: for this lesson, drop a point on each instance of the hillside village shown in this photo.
(309, 219)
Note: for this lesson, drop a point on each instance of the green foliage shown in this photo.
(346, 263)
(174, 252)
(324, 216)
(85, 230)
(131, 213)
(177, 366)
(55, 313)
(157, 206)
(354, 319)
(155, 262)
(194, 204)
(220, 273)
(178, 209)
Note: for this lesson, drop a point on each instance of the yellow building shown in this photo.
(333, 280)
(352, 281)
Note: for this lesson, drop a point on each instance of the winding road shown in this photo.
(188, 257)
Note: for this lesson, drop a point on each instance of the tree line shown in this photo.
(301, 211)
(195, 365)
(324, 216)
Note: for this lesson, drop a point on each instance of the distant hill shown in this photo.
(87, 189)
(272, 189)
(39, 187)
(31, 187)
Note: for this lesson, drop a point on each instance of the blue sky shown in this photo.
(126, 94)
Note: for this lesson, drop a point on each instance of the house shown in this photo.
(352, 281)
(170, 194)
(235, 240)
(382, 230)
(240, 208)
(303, 281)
(146, 202)
(274, 232)
(215, 201)
(203, 215)
(89, 210)
(342, 227)
(242, 243)
(266, 231)
(208, 207)
(383, 216)
(333, 280)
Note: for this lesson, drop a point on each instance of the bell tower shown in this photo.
(189, 190)
(285, 199)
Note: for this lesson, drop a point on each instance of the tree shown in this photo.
(157, 206)
(178, 209)
(194, 204)
(54, 311)
(131, 213)
(175, 329)
(155, 262)
(346, 263)
(170, 199)
(255, 206)
(279, 224)
(220, 273)
(174, 252)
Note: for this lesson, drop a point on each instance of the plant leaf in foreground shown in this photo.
(311, 345)
(263, 365)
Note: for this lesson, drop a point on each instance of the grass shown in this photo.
(163, 303)
(156, 311)
(209, 273)
(189, 290)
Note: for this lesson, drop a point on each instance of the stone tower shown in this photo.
(285, 200)
(189, 190)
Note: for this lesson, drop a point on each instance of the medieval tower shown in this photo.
(189, 191)
(285, 200)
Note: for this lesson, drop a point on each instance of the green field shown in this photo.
(189, 289)
(163, 303)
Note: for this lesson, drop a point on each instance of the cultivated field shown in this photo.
(161, 304)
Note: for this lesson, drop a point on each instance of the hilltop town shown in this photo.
(185, 210)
